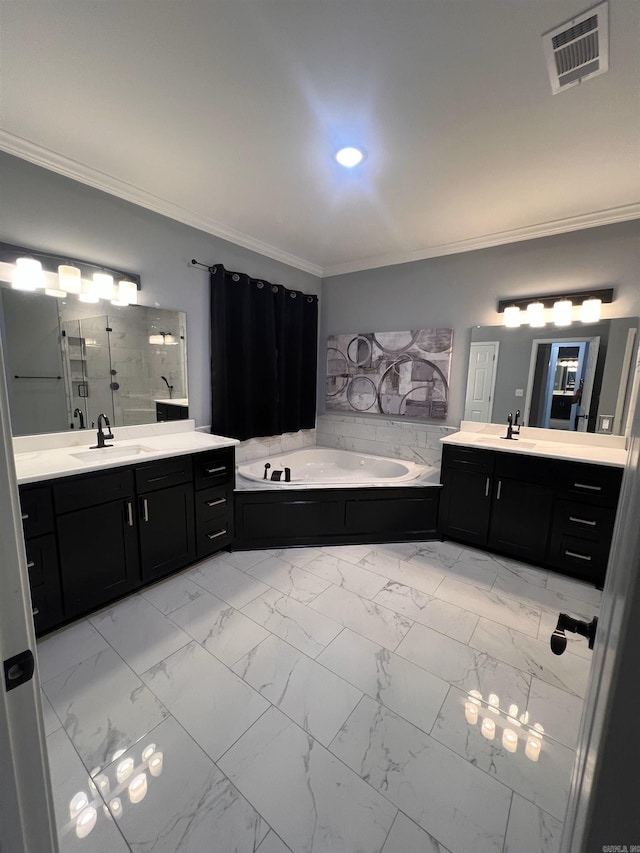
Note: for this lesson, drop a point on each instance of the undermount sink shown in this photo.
(114, 452)
(498, 441)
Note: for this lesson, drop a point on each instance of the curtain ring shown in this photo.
(274, 288)
(292, 294)
(235, 277)
(309, 298)
(259, 285)
(213, 270)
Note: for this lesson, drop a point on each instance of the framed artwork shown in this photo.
(391, 373)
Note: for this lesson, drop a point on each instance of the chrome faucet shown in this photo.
(101, 435)
(513, 427)
(77, 413)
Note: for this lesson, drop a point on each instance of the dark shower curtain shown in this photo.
(263, 357)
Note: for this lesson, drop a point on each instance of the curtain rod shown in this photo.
(198, 264)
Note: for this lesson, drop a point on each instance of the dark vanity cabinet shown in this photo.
(95, 537)
(545, 511)
(42, 556)
(165, 516)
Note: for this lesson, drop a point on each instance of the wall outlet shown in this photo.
(605, 423)
(519, 392)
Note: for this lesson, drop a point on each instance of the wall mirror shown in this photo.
(67, 361)
(577, 378)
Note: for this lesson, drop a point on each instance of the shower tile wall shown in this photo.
(416, 442)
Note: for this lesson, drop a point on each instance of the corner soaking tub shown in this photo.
(325, 466)
(334, 497)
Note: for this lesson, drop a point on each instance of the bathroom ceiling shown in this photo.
(226, 115)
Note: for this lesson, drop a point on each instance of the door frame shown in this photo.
(26, 804)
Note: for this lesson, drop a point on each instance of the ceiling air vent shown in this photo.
(579, 49)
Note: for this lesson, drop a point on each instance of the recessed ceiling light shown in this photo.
(349, 157)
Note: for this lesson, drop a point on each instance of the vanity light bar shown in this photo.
(605, 295)
(31, 269)
(533, 307)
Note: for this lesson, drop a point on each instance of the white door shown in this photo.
(26, 809)
(481, 381)
(589, 376)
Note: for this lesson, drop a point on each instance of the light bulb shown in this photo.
(349, 157)
(125, 293)
(509, 740)
(512, 317)
(78, 802)
(69, 278)
(104, 285)
(88, 291)
(532, 749)
(535, 314)
(471, 713)
(86, 822)
(494, 703)
(590, 310)
(488, 728)
(28, 274)
(148, 751)
(155, 764)
(116, 806)
(124, 769)
(138, 788)
(562, 312)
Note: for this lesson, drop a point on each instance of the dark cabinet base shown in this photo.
(284, 517)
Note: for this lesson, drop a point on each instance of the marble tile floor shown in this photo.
(312, 700)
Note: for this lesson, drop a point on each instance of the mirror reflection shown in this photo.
(578, 378)
(68, 361)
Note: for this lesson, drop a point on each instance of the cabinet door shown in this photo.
(521, 519)
(465, 505)
(98, 550)
(167, 532)
(44, 580)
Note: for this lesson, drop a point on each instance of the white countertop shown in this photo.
(45, 457)
(555, 444)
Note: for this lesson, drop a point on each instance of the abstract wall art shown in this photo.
(391, 373)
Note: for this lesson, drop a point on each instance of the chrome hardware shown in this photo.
(35, 611)
(578, 556)
(216, 502)
(486, 488)
(25, 516)
(30, 564)
(499, 490)
(216, 535)
(145, 509)
(129, 513)
(157, 479)
(582, 521)
(219, 470)
(587, 486)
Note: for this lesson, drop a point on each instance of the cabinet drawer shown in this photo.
(596, 484)
(580, 557)
(213, 503)
(163, 473)
(213, 467)
(584, 520)
(94, 489)
(213, 537)
(37, 510)
(468, 458)
(42, 561)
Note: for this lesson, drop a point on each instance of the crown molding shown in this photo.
(40, 156)
(610, 216)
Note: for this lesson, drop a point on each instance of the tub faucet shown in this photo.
(77, 413)
(576, 626)
(101, 435)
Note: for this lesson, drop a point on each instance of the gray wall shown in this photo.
(42, 210)
(461, 291)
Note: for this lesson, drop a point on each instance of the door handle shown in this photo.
(145, 509)
(582, 521)
(216, 535)
(587, 486)
(578, 556)
(129, 513)
(219, 470)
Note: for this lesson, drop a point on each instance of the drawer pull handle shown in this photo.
(219, 470)
(582, 521)
(157, 479)
(35, 611)
(217, 502)
(30, 564)
(587, 486)
(578, 556)
(216, 535)
(486, 488)
(129, 513)
(145, 509)
(25, 516)
(499, 490)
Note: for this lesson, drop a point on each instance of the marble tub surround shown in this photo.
(555, 444)
(256, 448)
(415, 441)
(51, 455)
(331, 721)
